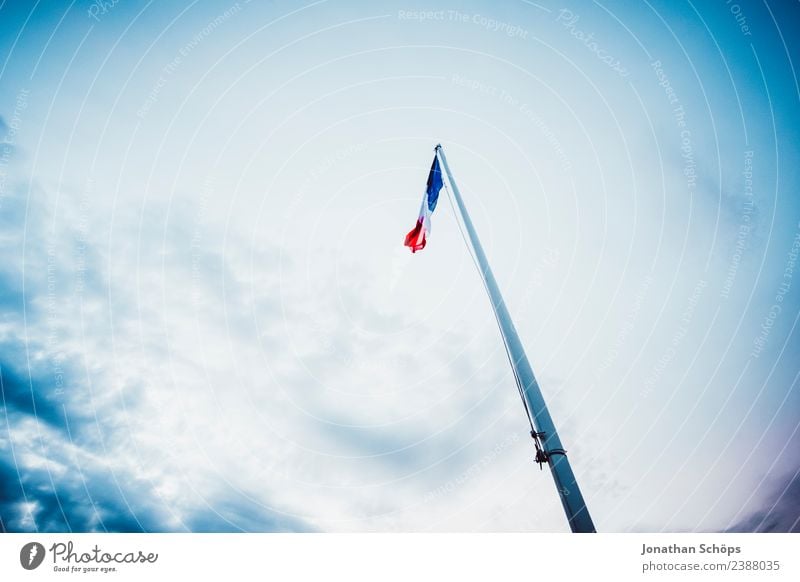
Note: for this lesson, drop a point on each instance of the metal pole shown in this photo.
(574, 506)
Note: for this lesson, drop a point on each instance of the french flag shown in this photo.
(415, 239)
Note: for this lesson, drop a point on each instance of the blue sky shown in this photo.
(209, 322)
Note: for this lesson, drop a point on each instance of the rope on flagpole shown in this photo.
(548, 444)
(505, 342)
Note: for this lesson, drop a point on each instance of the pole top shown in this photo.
(438, 147)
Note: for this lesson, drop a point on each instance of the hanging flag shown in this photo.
(416, 239)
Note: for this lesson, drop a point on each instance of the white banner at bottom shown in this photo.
(401, 557)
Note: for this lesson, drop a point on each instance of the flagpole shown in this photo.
(548, 445)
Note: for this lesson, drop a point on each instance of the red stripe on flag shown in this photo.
(415, 239)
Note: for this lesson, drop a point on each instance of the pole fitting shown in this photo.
(543, 456)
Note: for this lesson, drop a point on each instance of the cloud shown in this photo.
(76, 452)
(779, 512)
(235, 513)
(208, 395)
(23, 395)
(51, 485)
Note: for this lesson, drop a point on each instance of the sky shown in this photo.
(208, 320)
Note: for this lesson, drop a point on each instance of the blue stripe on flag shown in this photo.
(434, 184)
